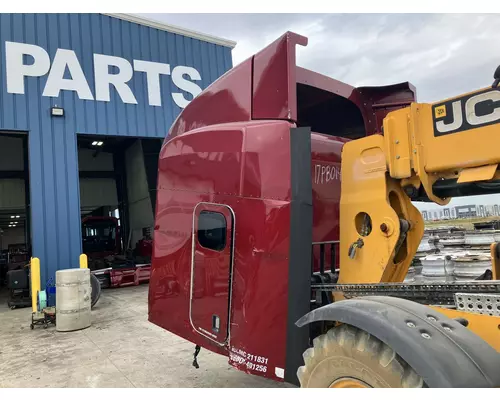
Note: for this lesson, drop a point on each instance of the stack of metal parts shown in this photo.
(449, 254)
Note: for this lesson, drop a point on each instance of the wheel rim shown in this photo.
(348, 383)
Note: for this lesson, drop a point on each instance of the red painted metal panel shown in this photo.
(228, 99)
(261, 246)
(311, 78)
(274, 81)
(143, 273)
(207, 160)
(211, 276)
(262, 210)
(326, 180)
(380, 100)
(260, 285)
(262, 177)
(326, 184)
(217, 154)
(124, 277)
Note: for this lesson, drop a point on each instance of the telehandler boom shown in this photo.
(285, 228)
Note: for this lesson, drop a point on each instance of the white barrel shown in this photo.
(73, 299)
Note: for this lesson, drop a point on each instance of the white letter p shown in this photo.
(16, 70)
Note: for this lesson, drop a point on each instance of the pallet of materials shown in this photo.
(452, 254)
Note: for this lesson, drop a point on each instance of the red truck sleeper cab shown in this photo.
(249, 178)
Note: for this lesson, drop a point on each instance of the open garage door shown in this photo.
(117, 196)
(97, 177)
(96, 193)
(99, 198)
(15, 238)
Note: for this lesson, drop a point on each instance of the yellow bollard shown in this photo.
(83, 261)
(35, 281)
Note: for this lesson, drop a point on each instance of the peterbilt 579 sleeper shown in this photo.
(229, 271)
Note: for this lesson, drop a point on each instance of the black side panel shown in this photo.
(441, 350)
(151, 151)
(299, 270)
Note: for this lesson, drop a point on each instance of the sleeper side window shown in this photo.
(212, 230)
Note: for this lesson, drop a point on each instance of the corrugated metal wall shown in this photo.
(56, 236)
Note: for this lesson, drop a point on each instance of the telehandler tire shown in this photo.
(348, 357)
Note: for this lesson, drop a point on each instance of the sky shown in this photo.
(442, 55)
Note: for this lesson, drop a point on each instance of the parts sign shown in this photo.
(28, 60)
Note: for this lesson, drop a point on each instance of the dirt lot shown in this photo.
(120, 349)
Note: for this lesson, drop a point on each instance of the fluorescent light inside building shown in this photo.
(94, 143)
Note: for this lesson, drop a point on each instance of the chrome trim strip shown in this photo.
(231, 267)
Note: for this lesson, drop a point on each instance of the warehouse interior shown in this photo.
(14, 204)
(117, 177)
(117, 193)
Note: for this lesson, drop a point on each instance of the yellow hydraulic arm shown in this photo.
(426, 151)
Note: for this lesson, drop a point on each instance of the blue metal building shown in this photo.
(109, 75)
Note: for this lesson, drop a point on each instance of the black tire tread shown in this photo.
(359, 345)
(96, 290)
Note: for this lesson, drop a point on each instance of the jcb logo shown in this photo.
(467, 112)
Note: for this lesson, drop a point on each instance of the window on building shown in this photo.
(212, 229)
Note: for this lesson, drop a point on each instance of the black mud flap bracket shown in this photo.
(442, 351)
(300, 254)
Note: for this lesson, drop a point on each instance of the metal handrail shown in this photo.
(327, 242)
(322, 255)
